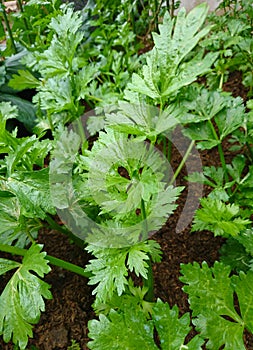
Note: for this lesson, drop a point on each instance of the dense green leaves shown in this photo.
(220, 218)
(22, 299)
(110, 268)
(211, 296)
(166, 72)
(15, 227)
(131, 330)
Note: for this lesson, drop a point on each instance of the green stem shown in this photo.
(24, 20)
(8, 27)
(50, 121)
(250, 150)
(144, 218)
(54, 261)
(79, 242)
(221, 154)
(81, 130)
(149, 282)
(221, 81)
(179, 168)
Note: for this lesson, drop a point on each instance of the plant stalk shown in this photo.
(179, 168)
(149, 282)
(6, 21)
(52, 260)
(79, 242)
(221, 154)
(20, 5)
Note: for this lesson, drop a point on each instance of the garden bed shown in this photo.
(118, 190)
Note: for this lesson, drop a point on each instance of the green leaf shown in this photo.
(173, 330)
(211, 297)
(144, 120)
(22, 299)
(205, 106)
(18, 154)
(220, 218)
(26, 110)
(14, 226)
(23, 80)
(7, 265)
(166, 72)
(234, 254)
(32, 191)
(246, 239)
(110, 268)
(130, 329)
(109, 271)
(203, 133)
(231, 118)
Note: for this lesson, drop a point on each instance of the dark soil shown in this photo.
(70, 309)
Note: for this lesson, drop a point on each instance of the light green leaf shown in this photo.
(22, 299)
(165, 72)
(32, 191)
(144, 120)
(211, 297)
(130, 329)
(24, 80)
(14, 226)
(7, 265)
(220, 218)
(173, 330)
(121, 331)
(14, 157)
(109, 271)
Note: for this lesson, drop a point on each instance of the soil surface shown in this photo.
(70, 309)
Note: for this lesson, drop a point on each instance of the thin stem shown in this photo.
(221, 154)
(250, 150)
(50, 121)
(179, 168)
(24, 20)
(54, 261)
(2, 7)
(221, 81)
(79, 242)
(81, 130)
(149, 282)
(144, 218)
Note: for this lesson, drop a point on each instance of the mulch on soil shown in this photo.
(70, 309)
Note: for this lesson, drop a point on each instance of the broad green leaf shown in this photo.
(166, 72)
(220, 218)
(23, 80)
(173, 330)
(32, 191)
(211, 297)
(14, 226)
(22, 299)
(203, 133)
(231, 118)
(205, 106)
(66, 23)
(18, 154)
(246, 239)
(130, 329)
(121, 331)
(55, 95)
(109, 271)
(110, 268)
(144, 120)
(7, 265)
(26, 110)
(234, 254)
